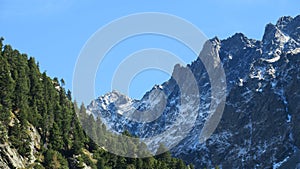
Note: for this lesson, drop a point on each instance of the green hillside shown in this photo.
(39, 127)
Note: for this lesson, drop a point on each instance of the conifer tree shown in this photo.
(55, 138)
(31, 100)
(163, 153)
(6, 88)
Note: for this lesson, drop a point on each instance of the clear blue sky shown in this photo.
(54, 31)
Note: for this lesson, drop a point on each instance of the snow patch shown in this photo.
(158, 87)
(277, 165)
(272, 60)
(242, 152)
(274, 84)
(289, 118)
(294, 51)
(258, 74)
(259, 89)
(241, 82)
(280, 93)
(272, 71)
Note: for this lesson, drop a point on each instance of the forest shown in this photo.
(30, 99)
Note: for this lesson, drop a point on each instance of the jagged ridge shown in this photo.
(258, 128)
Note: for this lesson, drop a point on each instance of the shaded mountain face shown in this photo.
(260, 124)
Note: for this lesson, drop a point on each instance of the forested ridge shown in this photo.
(31, 100)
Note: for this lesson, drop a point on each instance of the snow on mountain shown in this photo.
(260, 124)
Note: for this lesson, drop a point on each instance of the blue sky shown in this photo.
(55, 31)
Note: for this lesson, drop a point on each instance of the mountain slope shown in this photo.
(259, 127)
(39, 127)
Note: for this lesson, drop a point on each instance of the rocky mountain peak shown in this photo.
(270, 32)
(290, 26)
(283, 22)
(278, 41)
(237, 41)
(215, 40)
(258, 128)
(293, 28)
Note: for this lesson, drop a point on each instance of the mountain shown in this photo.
(40, 128)
(259, 127)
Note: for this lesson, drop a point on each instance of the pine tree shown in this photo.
(20, 139)
(91, 129)
(180, 164)
(36, 95)
(79, 136)
(163, 153)
(6, 88)
(149, 163)
(100, 133)
(1, 45)
(3, 133)
(83, 116)
(121, 162)
(54, 159)
(142, 150)
(139, 163)
(29, 98)
(100, 164)
(55, 138)
(20, 106)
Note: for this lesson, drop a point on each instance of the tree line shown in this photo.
(31, 98)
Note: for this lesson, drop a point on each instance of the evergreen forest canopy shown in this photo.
(30, 99)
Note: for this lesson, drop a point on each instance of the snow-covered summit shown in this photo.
(259, 128)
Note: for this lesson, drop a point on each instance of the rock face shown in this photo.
(260, 124)
(9, 156)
